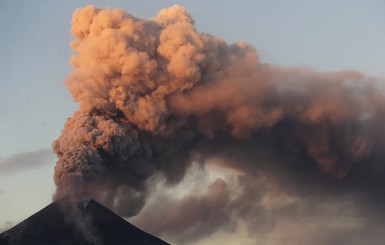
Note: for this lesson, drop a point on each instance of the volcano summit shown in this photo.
(86, 222)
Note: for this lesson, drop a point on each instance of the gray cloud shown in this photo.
(26, 160)
(273, 205)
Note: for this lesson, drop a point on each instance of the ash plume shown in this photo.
(156, 97)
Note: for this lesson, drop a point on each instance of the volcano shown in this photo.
(81, 222)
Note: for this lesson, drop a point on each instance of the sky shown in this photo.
(34, 54)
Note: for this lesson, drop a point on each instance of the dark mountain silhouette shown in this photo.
(85, 222)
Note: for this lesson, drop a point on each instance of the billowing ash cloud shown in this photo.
(157, 97)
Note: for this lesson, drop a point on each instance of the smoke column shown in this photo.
(156, 97)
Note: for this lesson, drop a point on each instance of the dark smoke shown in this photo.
(157, 98)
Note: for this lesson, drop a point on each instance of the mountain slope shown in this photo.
(86, 222)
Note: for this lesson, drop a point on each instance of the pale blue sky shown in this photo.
(34, 54)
